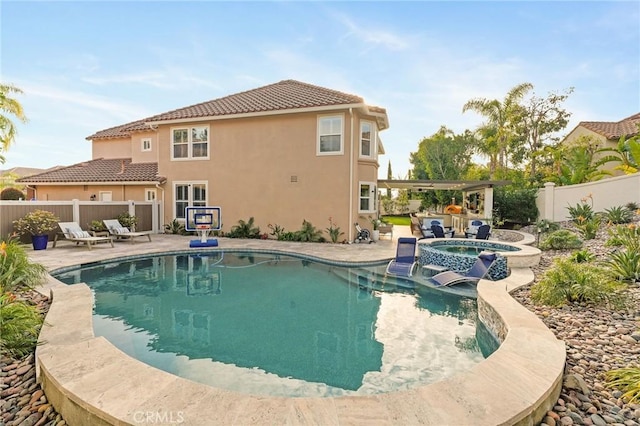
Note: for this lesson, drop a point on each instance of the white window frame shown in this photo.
(333, 132)
(190, 143)
(191, 202)
(148, 192)
(145, 144)
(372, 197)
(372, 139)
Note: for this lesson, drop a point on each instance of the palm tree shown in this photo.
(8, 106)
(499, 123)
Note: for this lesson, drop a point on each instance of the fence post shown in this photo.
(154, 216)
(549, 201)
(76, 210)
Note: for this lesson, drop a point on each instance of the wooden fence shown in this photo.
(83, 212)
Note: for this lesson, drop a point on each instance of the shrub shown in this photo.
(588, 227)
(627, 380)
(244, 230)
(37, 222)
(97, 225)
(20, 324)
(175, 227)
(618, 215)
(627, 236)
(568, 281)
(562, 239)
(16, 269)
(127, 220)
(582, 256)
(334, 231)
(545, 226)
(632, 206)
(515, 205)
(581, 212)
(625, 265)
(12, 194)
(309, 233)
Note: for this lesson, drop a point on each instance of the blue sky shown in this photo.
(87, 66)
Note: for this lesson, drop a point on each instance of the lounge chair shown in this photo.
(484, 232)
(118, 231)
(472, 229)
(477, 272)
(405, 262)
(439, 232)
(73, 232)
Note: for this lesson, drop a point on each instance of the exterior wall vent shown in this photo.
(294, 179)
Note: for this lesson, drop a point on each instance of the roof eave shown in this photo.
(257, 114)
(102, 182)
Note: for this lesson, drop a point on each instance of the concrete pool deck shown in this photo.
(89, 381)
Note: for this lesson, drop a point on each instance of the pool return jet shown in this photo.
(203, 220)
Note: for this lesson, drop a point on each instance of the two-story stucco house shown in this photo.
(282, 153)
(605, 134)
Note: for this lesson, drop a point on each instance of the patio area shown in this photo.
(87, 379)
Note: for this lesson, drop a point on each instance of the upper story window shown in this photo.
(146, 144)
(330, 135)
(367, 139)
(190, 142)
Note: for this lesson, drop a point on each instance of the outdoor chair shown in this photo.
(73, 232)
(477, 272)
(405, 262)
(122, 232)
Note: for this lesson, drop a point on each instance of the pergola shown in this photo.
(484, 187)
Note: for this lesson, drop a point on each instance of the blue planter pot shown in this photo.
(39, 241)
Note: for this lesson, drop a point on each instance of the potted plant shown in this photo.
(38, 224)
(375, 224)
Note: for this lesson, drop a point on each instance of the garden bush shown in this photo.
(15, 268)
(627, 380)
(244, 230)
(562, 239)
(568, 281)
(617, 215)
(515, 205)
(20, 323)
(625, 264)
(11, 194)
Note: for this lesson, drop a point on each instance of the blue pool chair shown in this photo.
(477, 272)
(484, 232)
(405, 262)
(439, 232)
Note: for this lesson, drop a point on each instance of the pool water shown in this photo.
(270, 324)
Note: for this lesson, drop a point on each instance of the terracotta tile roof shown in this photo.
(100, 170)
(120, 131)
(284, 95)
(614, 130)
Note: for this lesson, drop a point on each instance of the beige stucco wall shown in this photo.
(601, 140)
(111, 148)
(84, 192)
(267, 168)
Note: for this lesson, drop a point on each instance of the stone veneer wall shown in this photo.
(460, 262)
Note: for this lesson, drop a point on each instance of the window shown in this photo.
(146, 144)
(330, 135)
(368, 197)
(192, 194)
(367, 139)
(190, 142)
(105, 196)
(150, 194)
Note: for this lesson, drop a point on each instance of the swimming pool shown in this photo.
(281, 325)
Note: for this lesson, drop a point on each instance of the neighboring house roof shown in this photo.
(614, 130)
(278, 97)
(100, 170)
(24, 171)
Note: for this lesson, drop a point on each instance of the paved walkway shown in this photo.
(67, 253)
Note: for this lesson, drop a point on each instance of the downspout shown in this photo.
(163, 205)
(351, 226)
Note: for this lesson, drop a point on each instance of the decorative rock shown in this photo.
(597, 420)
(566, 421)
(576, 382)
(549, 421)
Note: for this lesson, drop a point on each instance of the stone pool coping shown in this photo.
(90, 381)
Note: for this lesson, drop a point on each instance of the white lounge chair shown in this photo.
(73, 232)
(118, 231)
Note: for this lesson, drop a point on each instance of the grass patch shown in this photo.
(397, 220)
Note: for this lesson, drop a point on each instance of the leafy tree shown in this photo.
(515, 205)
(499, 132)
(578, 162)
(11, 194)
(537, 122)
(8, 106)
(628, 153)
(442, 156)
